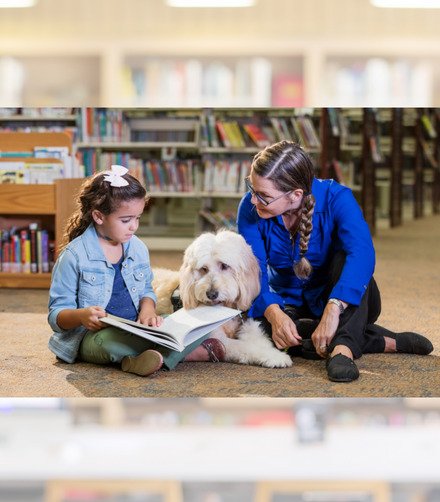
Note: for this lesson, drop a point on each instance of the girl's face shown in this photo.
(120, 226)
(268, 200)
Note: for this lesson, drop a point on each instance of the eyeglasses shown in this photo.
(261, 199)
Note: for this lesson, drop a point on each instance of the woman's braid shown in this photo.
(303, 268)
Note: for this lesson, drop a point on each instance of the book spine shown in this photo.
(33, 243)
(222, 134)
(6, 256)
(45, 251)
(39, 251)
(25, 251)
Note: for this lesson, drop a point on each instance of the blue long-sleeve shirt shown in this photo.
(338, 224)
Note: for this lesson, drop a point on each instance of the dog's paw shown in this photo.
(277, 359)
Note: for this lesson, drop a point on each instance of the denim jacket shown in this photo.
(83, 277)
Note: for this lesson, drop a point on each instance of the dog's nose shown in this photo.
(212, 294)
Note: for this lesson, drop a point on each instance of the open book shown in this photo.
(180, 328)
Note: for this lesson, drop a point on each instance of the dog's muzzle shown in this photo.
(212, 294)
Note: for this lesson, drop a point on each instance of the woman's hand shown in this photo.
(284, 333)
(89, 318)
(326, 329)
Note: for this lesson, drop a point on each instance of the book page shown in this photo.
(180, 328)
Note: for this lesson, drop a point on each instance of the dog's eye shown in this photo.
(204, 270)
(224, 266)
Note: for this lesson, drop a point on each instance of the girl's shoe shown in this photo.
(146, 363)
(215, 348)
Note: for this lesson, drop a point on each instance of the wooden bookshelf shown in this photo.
(27, 199)
(52, 203)
(56, 201)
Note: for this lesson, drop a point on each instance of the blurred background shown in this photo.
(213, 450)
(268, 53)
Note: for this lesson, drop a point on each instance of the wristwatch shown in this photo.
(338, 303)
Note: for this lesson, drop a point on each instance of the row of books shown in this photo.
(222, 176)
(92, 160)
(225, 176)
(191, 82)
(174, 176)
(60, 112)
(156, 176)
(27, 250)
(43, 165)
(105, 125)
(219, 219)
(241, 134)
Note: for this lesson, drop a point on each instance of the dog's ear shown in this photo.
(248, 277)
(187, 280)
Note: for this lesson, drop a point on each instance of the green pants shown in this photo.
(111, 345)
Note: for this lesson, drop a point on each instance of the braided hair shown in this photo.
(289, 167)
(97, 194)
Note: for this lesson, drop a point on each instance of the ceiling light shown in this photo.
(407, 4)
(12, 4)
(210, 3)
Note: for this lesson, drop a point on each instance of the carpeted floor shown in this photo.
(408, 274)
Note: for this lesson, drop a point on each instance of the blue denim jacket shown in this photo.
(338, 224)
(82, 277)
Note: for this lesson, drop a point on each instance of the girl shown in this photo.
(317, 260)
(104, 268)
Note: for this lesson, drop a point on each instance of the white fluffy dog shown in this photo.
(221, 269)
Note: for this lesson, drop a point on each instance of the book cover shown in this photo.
(179, 329)
(257, 135)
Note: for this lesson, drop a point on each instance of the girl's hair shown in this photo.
(289, 167)
(97, 194)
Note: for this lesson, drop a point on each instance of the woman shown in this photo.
(317, 261)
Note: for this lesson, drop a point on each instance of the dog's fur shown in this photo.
(222, 269)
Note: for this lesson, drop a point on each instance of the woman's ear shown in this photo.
(97, 217)
(296, 195)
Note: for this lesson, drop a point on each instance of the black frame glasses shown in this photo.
(261, 199)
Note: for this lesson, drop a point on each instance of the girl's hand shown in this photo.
(284, 333)
(150, 319)
(90, 318)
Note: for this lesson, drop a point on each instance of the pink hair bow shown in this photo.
(114, 176)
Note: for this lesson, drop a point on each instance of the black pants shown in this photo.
(356, 328)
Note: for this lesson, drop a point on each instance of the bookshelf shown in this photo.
(47, 204)
(194, 160)
(334, 71)
(50, 204)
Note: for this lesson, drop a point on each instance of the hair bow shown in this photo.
(114, 176)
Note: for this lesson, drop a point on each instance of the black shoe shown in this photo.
(306, 350)
(411, 343)
(341, 368)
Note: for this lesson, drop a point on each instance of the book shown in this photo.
(179, 329)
